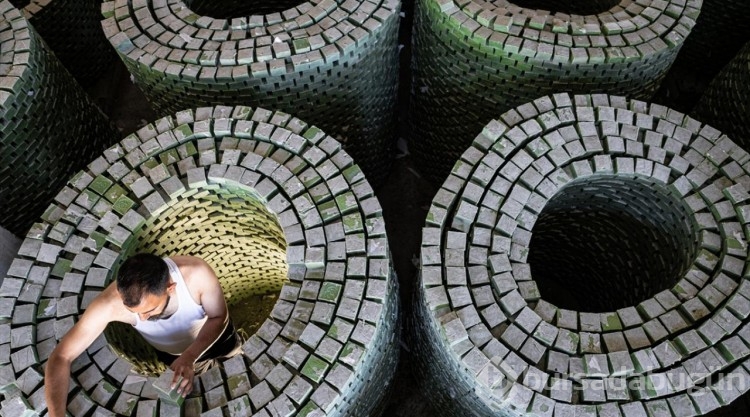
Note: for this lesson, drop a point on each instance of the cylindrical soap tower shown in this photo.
(73, 31)
(725, 104)
(333, 64)
(49, 128)
(586, 256)
(273, 205)
(475, 60)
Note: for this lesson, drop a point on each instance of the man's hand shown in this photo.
(183, 367)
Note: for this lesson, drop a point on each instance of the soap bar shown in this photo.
(163, 384)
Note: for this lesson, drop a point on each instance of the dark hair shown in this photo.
(141, 274)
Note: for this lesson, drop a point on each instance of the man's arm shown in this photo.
(204, 280)
(57, 370)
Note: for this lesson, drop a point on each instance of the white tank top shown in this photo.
(174, 334)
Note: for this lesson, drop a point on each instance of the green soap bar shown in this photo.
(100, 184)
(169, 157)
(114, 192)
(150, 163)
(329, 292)
(62, 266)
(98, 238)
(123, 204)
(163, 385)
(315, 368)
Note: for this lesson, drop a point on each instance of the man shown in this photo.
(175, 303)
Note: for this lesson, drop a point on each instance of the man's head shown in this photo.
(144, 284)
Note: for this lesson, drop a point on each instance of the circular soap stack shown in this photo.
(49, 128)
(331, 63)
(273, 205)
(73, 31)
(474, 60)
(725, 103)
(640, 211)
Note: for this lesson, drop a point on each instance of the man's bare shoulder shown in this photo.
(194, 270)
(108, 305)
(186, 261)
